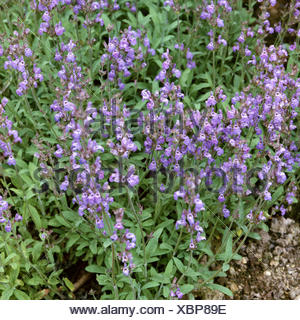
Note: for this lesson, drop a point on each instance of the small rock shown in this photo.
(265, 237)
(244, 260)
(233, 287)
(274, 263)
(294, 294)
(232, 271)
(268, 273)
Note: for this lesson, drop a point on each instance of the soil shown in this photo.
(270, 267)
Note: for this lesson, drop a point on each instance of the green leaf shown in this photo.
(105, 19)
(70, 215)
(69, 284)
(179, 265)
(62, 221)
(166, 246)
(107, 243)
(225, 267)
(35, 216)
(197, 87)
(237, 257)
(150, 284)
(236, 82)
(264, 227)
(153, 243)
(228, 250)
(166, 292)
(7, 293)
(9, 257)
(186, 77)
(220, 288)
(186, 288)
(36, 251)
(169, 268)
(35, 281)
(254, 235)
(21, 295)
(103, 279)
(93, 246)
(74, 237)
(93, 268)
(275, 196)
(151, 247)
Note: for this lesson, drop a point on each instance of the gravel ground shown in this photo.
(270, 268)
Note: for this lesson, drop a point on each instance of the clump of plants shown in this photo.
(142, 142)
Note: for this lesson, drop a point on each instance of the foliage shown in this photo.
(146, 139)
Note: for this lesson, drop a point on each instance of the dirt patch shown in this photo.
(270, 268)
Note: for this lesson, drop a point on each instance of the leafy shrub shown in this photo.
(148, 139)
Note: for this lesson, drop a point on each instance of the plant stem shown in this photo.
(187, 268)
(178, 241)
(114, 283)
(220, 269)
(141, 230)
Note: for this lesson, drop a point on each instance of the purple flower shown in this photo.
(99, 223)
(204, 15)
(114, 237)
(176, 73)
(95, 6)
(220, 23)
(261, 216)
(28, 52)
(59, 152)
(180, 222)
(3, 205)
(119, 226)
(211, 101)
(4, 101)
(247, 52)
(126, 271)
(18, 217)
(178, 194)
(293, 46)
(290, 197)
(169, 3)
(70, 57)
(8, 227)
(241, 38)
(65, 184)
(43, 27)
(133, 180)
(199, 205)
(267, 195)
(19, 91)
(199, 237)
(210, 46)
(152, 166)
(282, 210)
(210, 8)
(146, 94)
(190, 219)
(189, 55)
(221, 197)
(226, 212)
(11, 161)
(250, 215)
(59, 29)
(46, 17)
